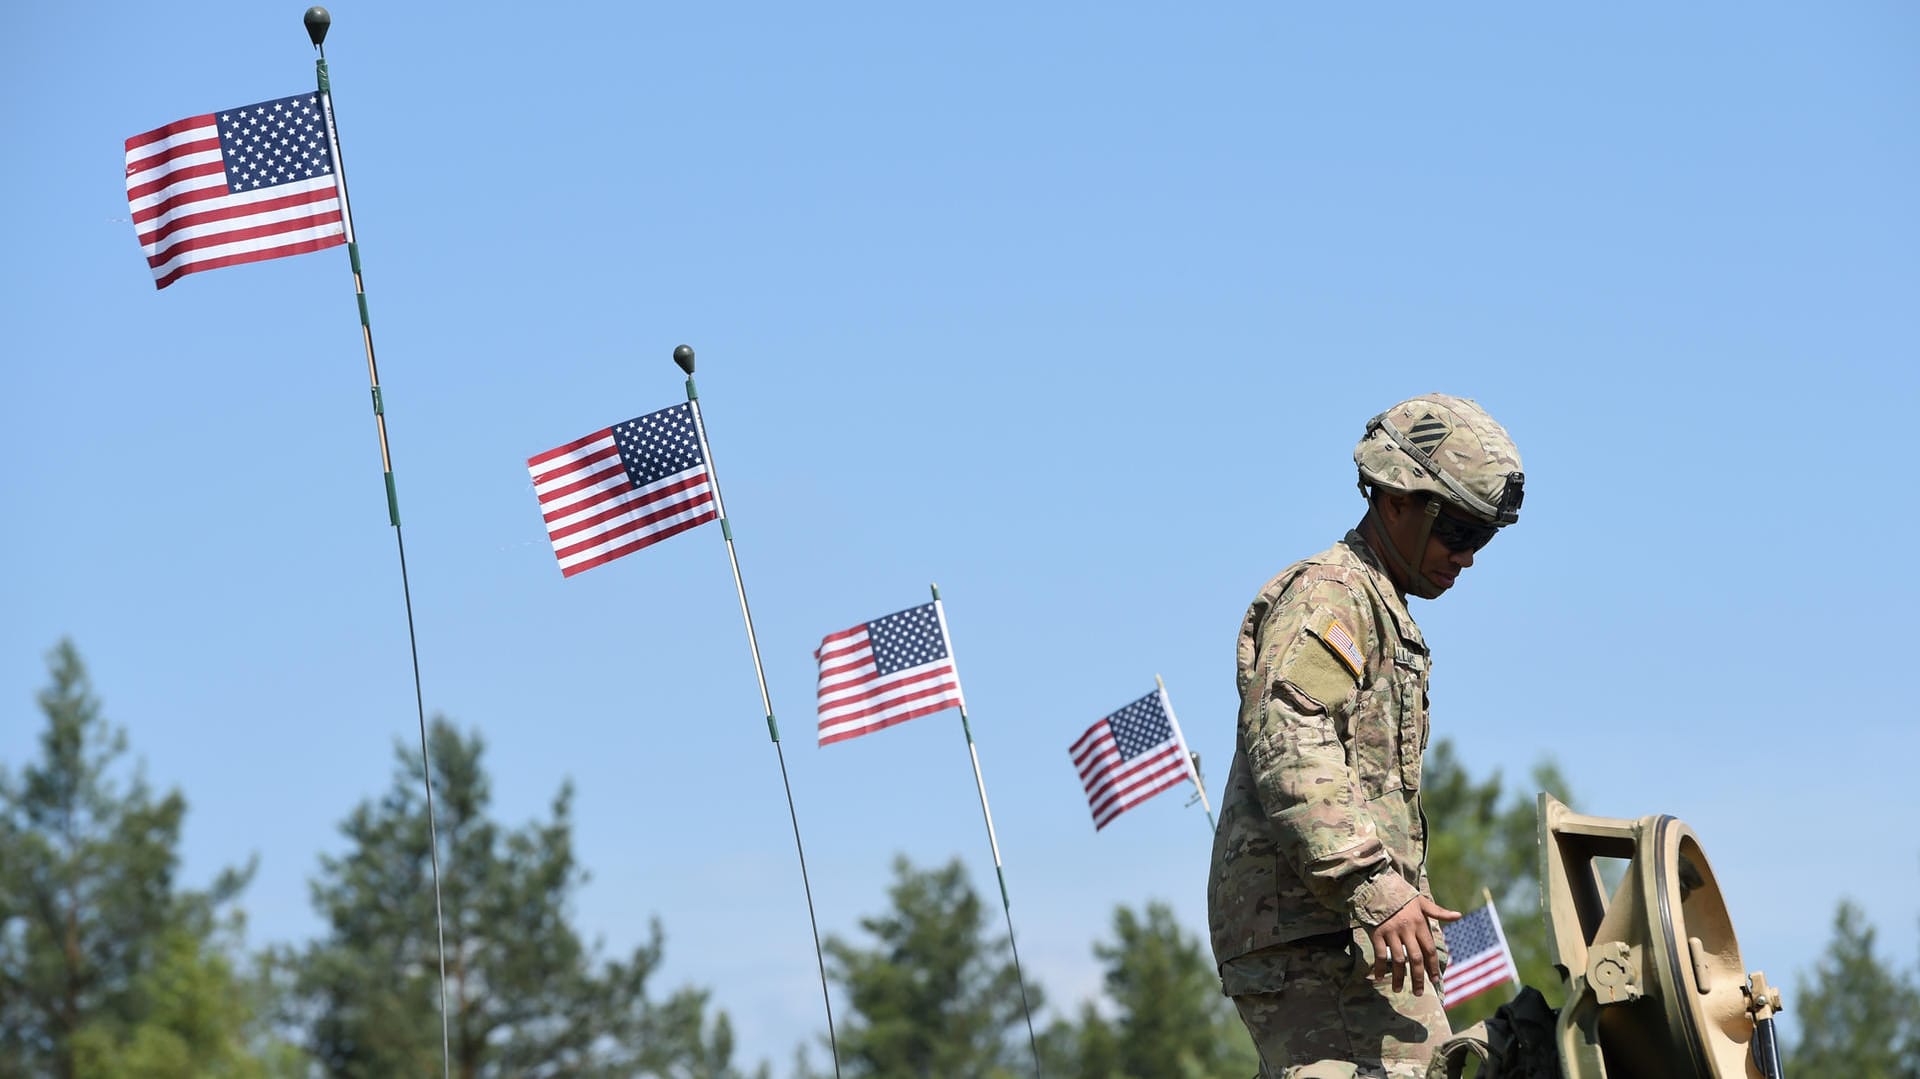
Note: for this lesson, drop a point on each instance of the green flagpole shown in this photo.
(683, 358)
(318, 22)
(993, 841)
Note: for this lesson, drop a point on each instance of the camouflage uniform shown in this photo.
(1333, 719)
(1321, 833)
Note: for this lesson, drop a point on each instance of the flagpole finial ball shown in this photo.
(684, 357)
(317, 21)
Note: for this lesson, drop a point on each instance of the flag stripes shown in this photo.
(246, 185)
(595, 510)
(882, 673)
(1127, 758)
(1469, 980)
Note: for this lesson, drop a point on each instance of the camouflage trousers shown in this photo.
(1315, 1013)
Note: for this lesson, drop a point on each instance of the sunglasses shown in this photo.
(1460, 535)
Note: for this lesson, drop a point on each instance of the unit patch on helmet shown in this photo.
(1428, 433)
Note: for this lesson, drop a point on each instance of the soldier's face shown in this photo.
(1441, 565)
(1451, 546)
(1406, 518)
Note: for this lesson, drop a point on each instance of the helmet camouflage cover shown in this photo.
(1448, 447)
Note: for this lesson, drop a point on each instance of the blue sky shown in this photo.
(1077, 311)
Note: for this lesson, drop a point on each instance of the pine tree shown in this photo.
(936, 995)
(1087, 1049)
(525, 996)
(106, 966)
(1858, 1016)
(1169, 1019)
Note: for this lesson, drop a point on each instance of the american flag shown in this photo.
(1129, 757)
(884, 672)
(1479, 957)
(623, 488)
(241, 185)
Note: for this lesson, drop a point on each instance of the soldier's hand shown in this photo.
(1404, 946)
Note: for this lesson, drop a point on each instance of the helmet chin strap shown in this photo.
(1417, 582)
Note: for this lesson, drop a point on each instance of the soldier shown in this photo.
(1326, 933)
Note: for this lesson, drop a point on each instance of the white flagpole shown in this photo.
(940, 612)
(683, 358)
(317, 22)
(1193, 770)
(1506, 951)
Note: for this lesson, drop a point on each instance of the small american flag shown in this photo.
(241, 185)
(623, 488)
(1342, 641)
(1479, 957)
(884, 672)
(1128, 757)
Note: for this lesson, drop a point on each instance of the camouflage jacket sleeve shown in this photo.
(1307, 671)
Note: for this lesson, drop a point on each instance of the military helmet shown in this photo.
(1448, 447)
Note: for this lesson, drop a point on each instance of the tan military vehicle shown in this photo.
(1655, 985)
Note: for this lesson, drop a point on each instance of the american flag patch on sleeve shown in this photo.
(1327, 626)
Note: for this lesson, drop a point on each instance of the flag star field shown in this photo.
(274, 142)
(1140, 726)
(907, 639)
(658, 445)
